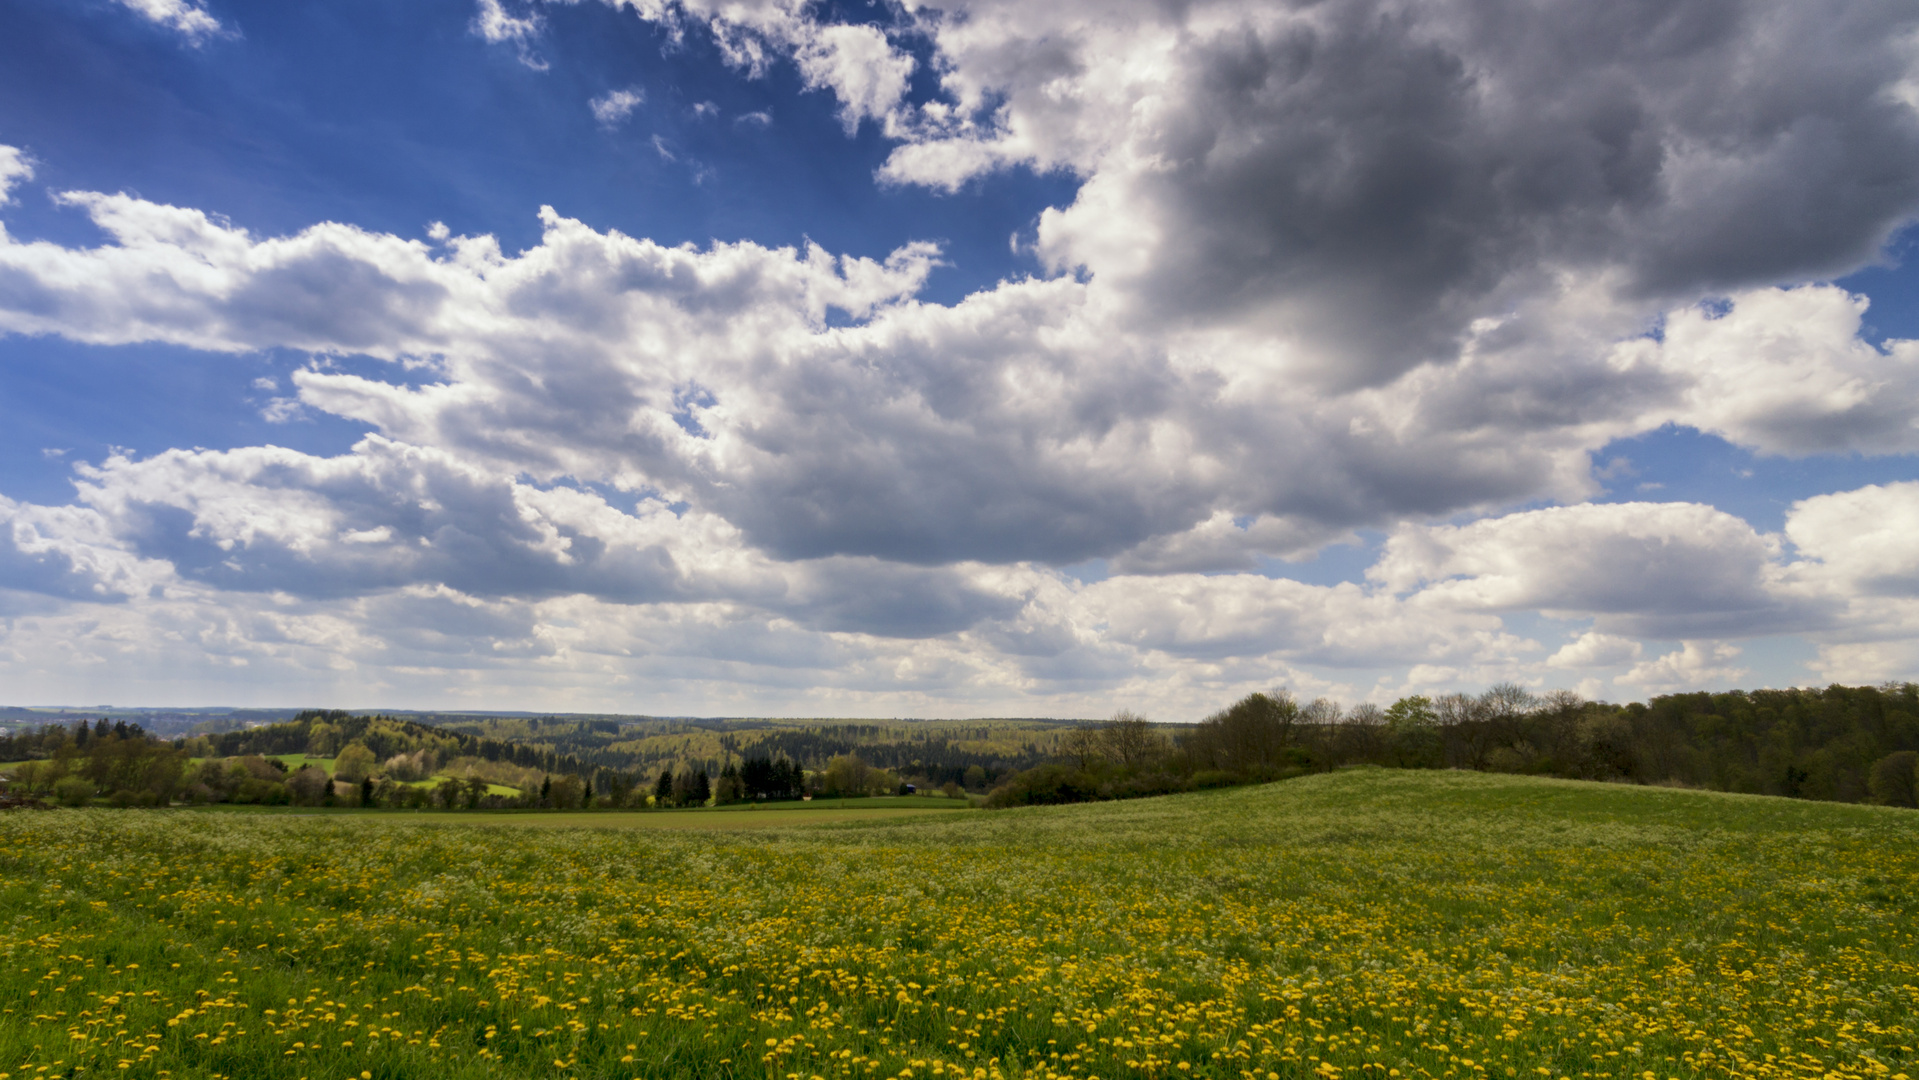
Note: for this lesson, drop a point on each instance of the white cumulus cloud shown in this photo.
(1593, 649)
(1785, 371)
(1649, 569)
(1865, 537)
(187, 19)
(1695, 665)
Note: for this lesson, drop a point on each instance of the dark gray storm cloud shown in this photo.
(1368, 178)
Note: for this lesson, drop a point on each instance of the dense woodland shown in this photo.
(1847, 744)
(1851, 744)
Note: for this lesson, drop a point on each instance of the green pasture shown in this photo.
(1366, 924)
(733, 816)
(295, 762)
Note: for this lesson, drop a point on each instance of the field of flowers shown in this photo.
(1359, 924)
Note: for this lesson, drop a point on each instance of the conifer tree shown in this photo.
(728, 789)
(663, 788)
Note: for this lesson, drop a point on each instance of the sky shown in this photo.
(956, 358)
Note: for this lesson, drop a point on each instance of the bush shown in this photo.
(254, 790)
(1051, 783)
(1506, 759)
(73, 791)
(1145, 785)
(1213, 778)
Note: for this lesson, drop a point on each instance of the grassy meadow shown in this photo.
(1362, 923)
(773, 815)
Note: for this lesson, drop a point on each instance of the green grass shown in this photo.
(887, 802)
(296, 762)
(1360, 924)
(764, 816)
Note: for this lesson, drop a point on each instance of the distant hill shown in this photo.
(166, 722)
(937, 750)
(637, 745)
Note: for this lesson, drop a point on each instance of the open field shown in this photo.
(1355, 924)
(782, 815)
(295, 762)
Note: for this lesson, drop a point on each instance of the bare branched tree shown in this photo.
(1131, 740)
(1084, 746)
(1323, 711)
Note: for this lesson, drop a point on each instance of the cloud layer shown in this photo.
(1330, 268)
(1357, 183)
(396, 566)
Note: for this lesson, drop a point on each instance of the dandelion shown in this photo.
(1178, 937)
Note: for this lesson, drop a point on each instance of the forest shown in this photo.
(1839, 744)
(1842, 744)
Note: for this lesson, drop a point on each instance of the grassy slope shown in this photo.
(1344, 925)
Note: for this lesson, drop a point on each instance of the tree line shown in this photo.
(1855, 744)
(74, 764)
(1839, 743)
(322, 732)
(376, 761)
(972, 754)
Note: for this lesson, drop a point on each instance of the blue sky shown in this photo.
(390, 117)
(958, 359)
